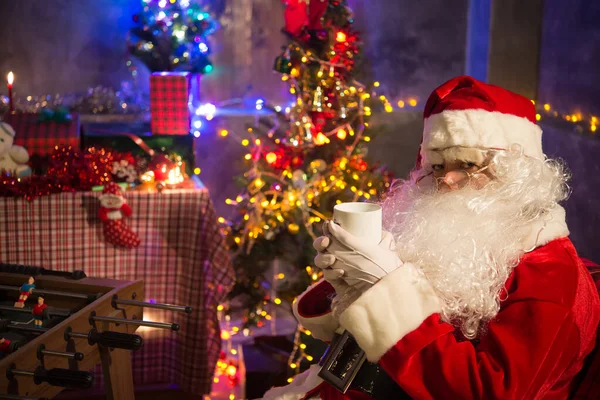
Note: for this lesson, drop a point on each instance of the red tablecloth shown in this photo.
(182, 259)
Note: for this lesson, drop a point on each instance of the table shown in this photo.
(182, 259)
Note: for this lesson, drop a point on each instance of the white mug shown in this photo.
(363, 220)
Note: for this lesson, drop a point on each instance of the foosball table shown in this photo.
(56, 326)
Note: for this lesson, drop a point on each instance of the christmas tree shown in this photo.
(303, 162)
(171, 35)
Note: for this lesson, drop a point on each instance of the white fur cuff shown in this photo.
(321, 326)
(392, 308)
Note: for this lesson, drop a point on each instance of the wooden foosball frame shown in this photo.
(103, 310)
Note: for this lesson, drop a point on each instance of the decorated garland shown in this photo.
(70, 169)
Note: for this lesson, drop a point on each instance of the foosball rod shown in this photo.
(53, 312)
(6, 325)
(160, 306)
(150, 324)
(49, 292)
(17, 397)
(42, 352)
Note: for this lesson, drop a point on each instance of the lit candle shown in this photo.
(10, 78)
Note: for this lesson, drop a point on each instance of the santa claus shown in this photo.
(475, 290)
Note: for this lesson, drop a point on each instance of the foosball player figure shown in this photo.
(4, 346)
(38, 311)
(26, 290)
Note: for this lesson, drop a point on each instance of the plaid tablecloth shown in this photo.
(182, 259)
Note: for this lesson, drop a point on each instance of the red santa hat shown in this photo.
(112, 188)
(464, 115)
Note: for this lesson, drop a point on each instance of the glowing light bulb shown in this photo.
(271, 157)
(203, 48)
(547, 107)
(231, 370)
(401, 104)
(197, 124)
(412, 102)
(341, 37)
(224, 132)
(341, 134)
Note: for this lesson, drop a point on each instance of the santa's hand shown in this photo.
(343, 256)
(324, 261)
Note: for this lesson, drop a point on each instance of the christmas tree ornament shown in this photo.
(317, 102)
(283, 64)
(299, 179)
(112, 213)
(296, 16)
(318, 165)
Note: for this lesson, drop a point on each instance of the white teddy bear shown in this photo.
(13, 159)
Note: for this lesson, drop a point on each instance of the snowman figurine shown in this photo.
(13, 159)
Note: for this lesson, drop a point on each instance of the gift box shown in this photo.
(169, 103)
(40, 138)
(135, 139)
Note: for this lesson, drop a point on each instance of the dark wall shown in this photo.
(570, 56)
(65, 45)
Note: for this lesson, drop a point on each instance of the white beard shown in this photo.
(468, 241)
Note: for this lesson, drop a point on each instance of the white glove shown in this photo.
(344, 257)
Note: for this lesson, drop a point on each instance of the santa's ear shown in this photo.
(19, 154)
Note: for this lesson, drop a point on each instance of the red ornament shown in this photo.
(161, 166)
(316, 12)
(296, 16)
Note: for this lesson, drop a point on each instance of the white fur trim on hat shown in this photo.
(479, 129)
(389, 310)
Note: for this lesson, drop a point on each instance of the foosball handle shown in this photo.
(115, 340)
(64, 378)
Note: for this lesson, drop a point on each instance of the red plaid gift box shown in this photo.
(169, 98)
(41, 138)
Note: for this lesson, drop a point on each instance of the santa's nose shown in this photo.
(453, 180)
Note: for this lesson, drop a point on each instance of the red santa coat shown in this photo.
(533, 348)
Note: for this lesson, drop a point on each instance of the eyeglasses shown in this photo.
(460, 178)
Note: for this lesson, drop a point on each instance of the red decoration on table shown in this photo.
(38, 311)
(113, 210)
(160, 166)
(69, 170)
(169, 103)
(25, 291)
